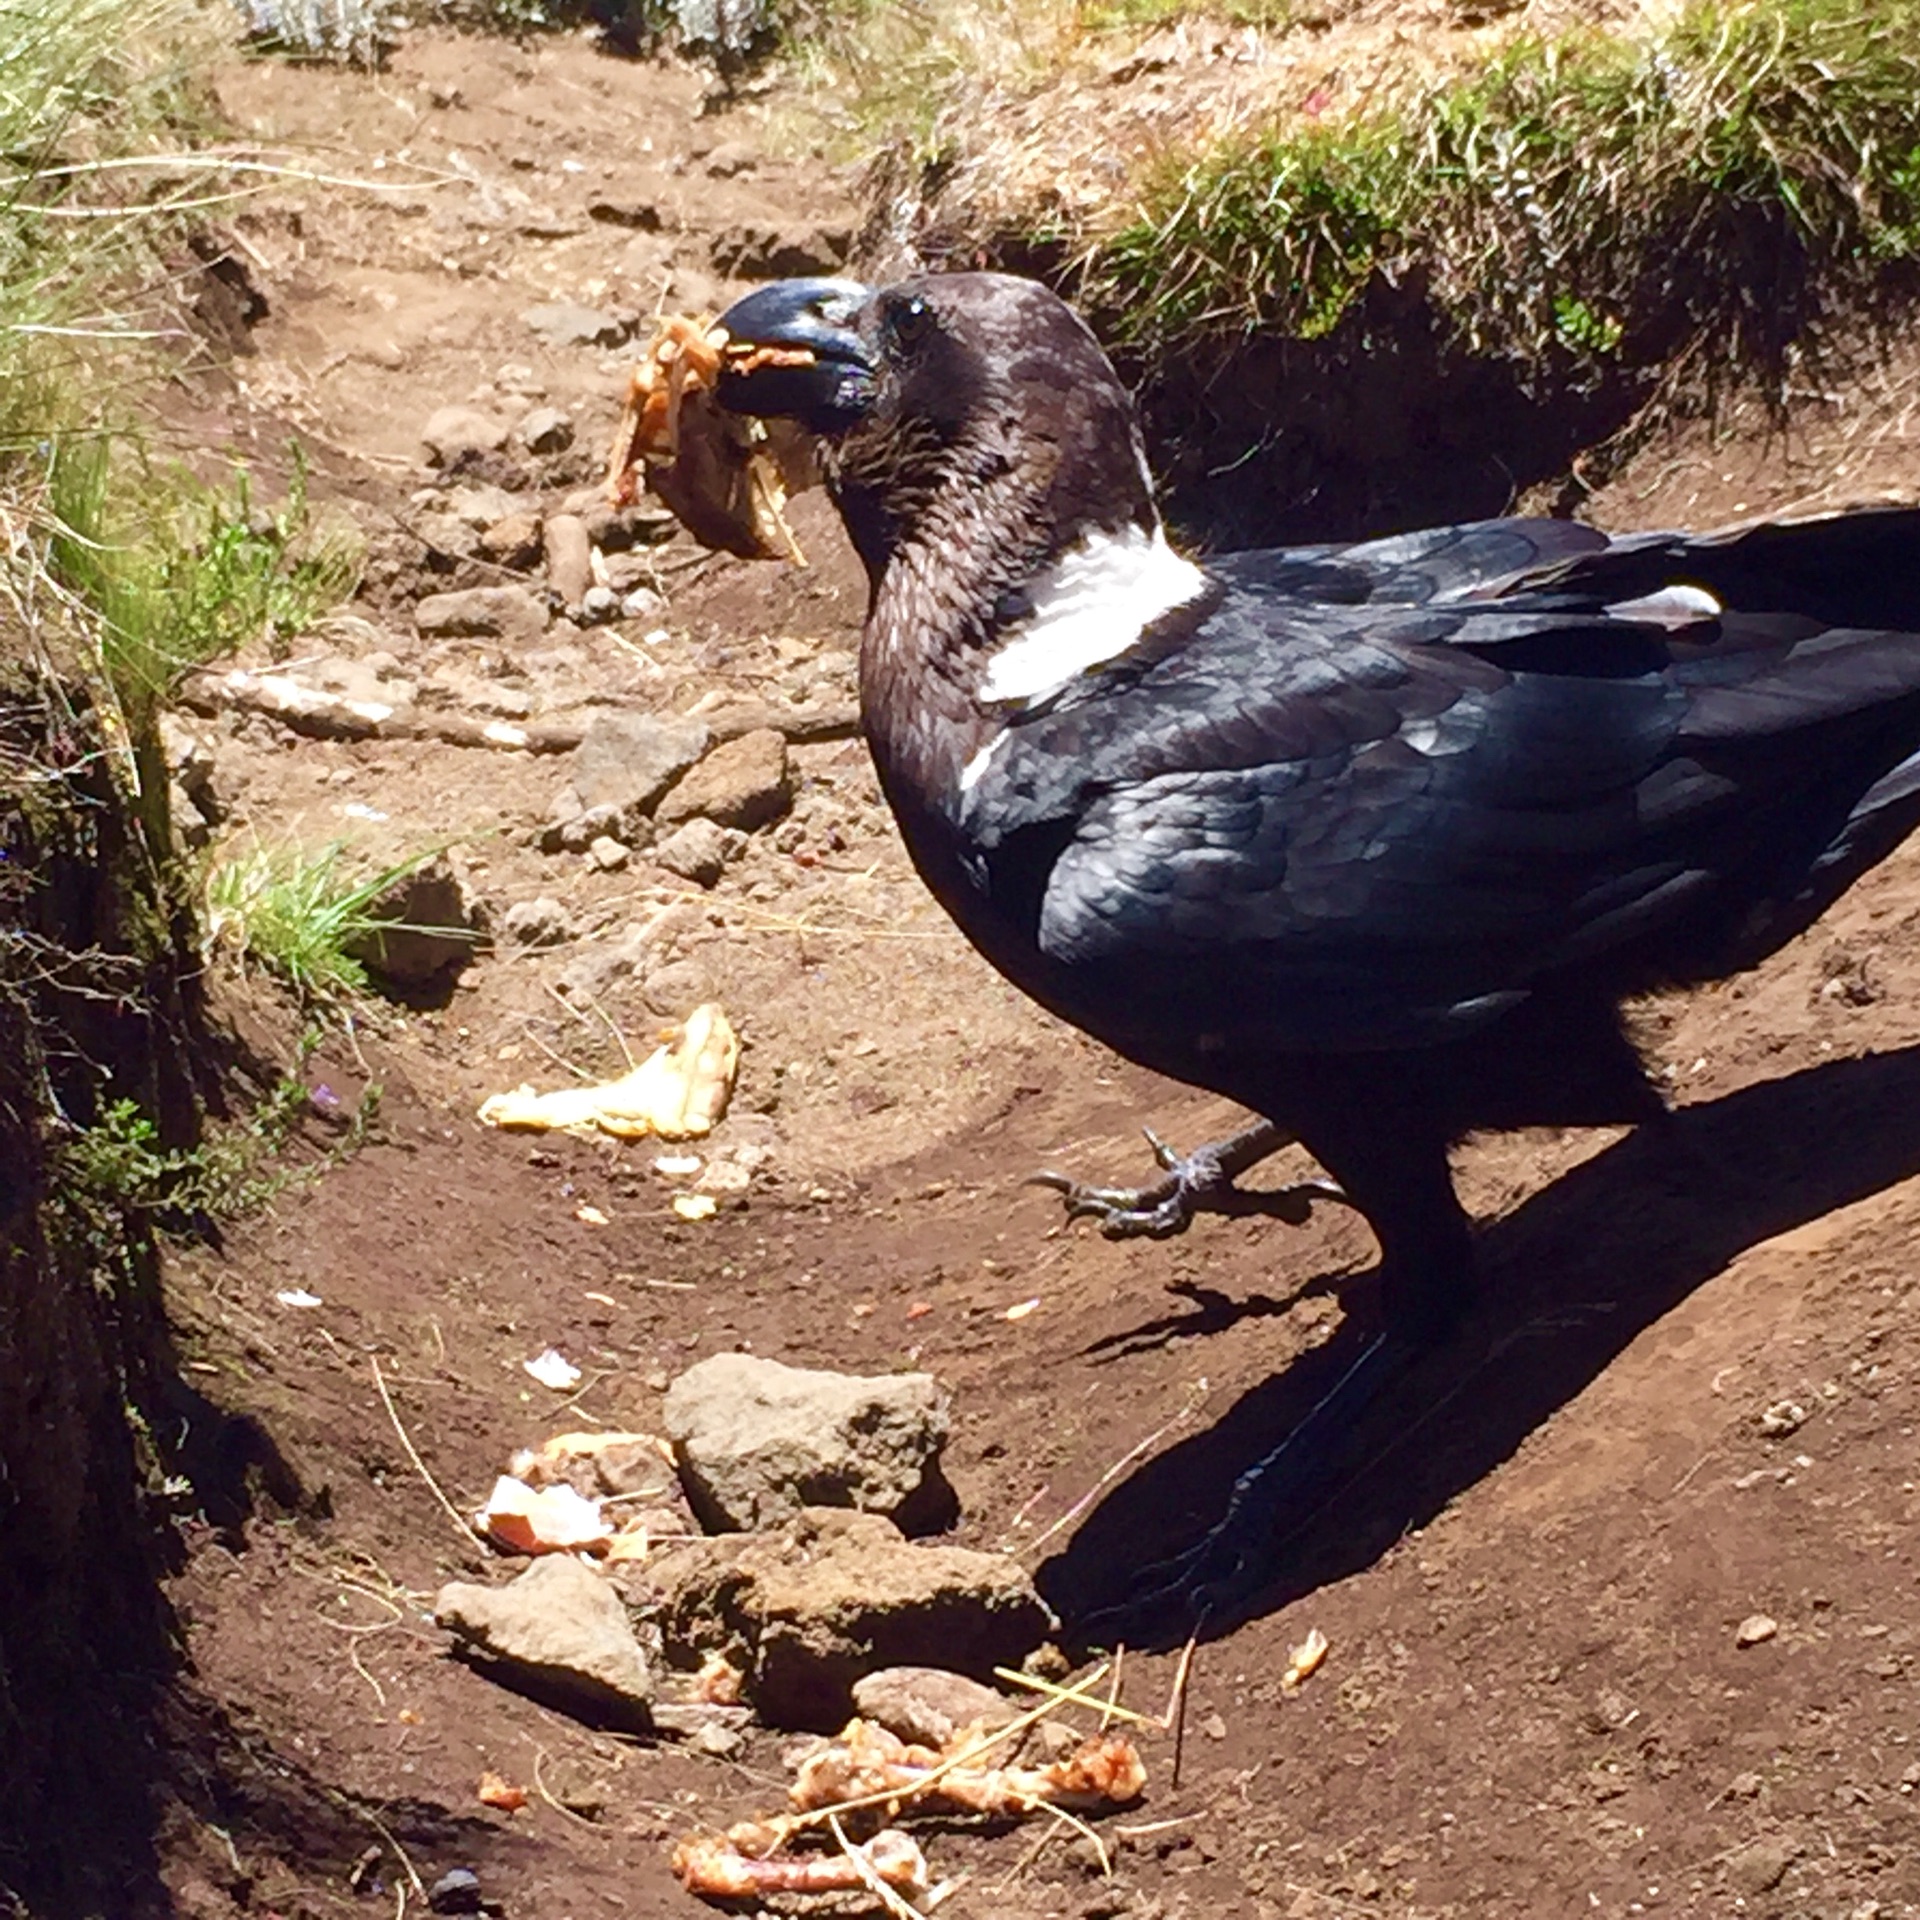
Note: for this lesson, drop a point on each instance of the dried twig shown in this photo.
(420, 1466)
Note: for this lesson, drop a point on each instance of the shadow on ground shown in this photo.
(1571, 1277)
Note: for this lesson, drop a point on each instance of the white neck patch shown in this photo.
(1089, 607)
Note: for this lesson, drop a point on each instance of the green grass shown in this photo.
(1750, 172)
(176, 572)
(298, 915)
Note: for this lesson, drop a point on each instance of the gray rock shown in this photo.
(596, 823)
(454, 434)
(742, 783)
(513, 614)
(761, 250)
(190, 763)
(642, 604)
(435, 924)
(536, 923)
(560, 1631)
(513, 541)
(1760, 1865)
(447, 534)
(688, 1719)
(599, 604)
(565, 323)
(809, 1610)
(569, 557)
(479, 506)
(757, 1441)
(606, 853)
(602, 966)
(927, 1706)
(628, 760)
(545, 430)
(697, 852)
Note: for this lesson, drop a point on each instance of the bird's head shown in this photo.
(959, 411)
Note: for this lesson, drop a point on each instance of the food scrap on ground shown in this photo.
(524, 1519)
(1304, 1660)
(724, 476)
(718, 1869)
(678, 1092)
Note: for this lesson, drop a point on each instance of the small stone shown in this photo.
(478, 506)
(806, 1611)
(1762, 1864)
(928, 1706)
(565, 323)
(757, 1441)
(607, 853)
(761, 250)
(731, 159)
(456, 1891)
(1782, 1418)
(1744, 1786)
(454, 434)
(513, 541)
(642, 604)
(684, 1719)
(512, 614)
(435, 926)
(536, 923)
(559, 1631)
(628, 760)
(743, 783)
(722, 1742)
(545, 430)
(696, 852)
(569, 557)
(1214, 1727)
(599, 604)
(1755, 1628)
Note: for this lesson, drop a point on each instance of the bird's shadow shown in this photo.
(1570, 1278)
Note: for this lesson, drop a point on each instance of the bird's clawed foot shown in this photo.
(1197, 1182)
(1217, 1579)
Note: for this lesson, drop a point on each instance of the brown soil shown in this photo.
(1534, 1704)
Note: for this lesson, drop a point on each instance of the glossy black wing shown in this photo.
(1367, 823)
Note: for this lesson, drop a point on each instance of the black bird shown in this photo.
(1372, 838)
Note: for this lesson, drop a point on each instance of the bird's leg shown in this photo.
(1426, 1260)
(1197, 1182)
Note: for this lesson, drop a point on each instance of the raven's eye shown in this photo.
(910, 320)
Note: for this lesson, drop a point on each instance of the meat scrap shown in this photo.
(724, 476)
(869, 1762)
(718, 1869)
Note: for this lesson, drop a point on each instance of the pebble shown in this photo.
(546, 430)
(536, 923)
(1755, 1628)
(607, 853)
(453, 433)
(600, 604)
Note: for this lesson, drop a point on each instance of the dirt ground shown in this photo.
(1535, 1703)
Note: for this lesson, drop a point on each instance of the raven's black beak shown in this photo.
(826, 392)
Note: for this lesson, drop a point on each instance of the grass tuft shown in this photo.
(1581, 203)
(298, 916)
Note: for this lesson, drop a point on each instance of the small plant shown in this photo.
(176, 572)
(299, 918)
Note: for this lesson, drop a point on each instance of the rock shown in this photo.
(809, 1610)
(596, 823)
(760, 250)
(927, 1706)
(478, 506)
(565, 323)
(686, 1719)
(639, 216)
(742, 783)
(731, 159)
(599, 967)
(1762, 1864)
(599, 604)
(454, 434)
(189, 756)
(1755, 1629)
(444, 534)
(628, 760)
(569, 557)
(697, 852)
(513, 541)
(536, 923)
(559, 1632)
(545, 430)
(642, 604)
(437, 925)
(606, 853)
(758, 1441)
(513, 614)
(456, 1891)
